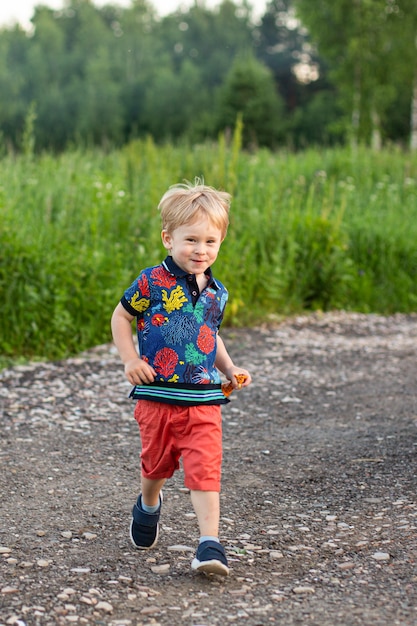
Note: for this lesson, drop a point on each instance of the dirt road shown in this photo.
(319, 505)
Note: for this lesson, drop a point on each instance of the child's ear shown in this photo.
(166, 239)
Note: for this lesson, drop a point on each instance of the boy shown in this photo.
(178, 307)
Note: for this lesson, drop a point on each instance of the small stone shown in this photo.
(41, 533)
(69, 591)
(5, 550)
(104, 606)
(89, 536)
(381, 556)
(80, 570)
(288, 399)
(346, 565)
(63, 596)
(67, 534)
(148, 610)
(43, 563)
(303, 590)
(9, 590)
(87, 600)
(180, 548)
(125, 579)
(275, 555)
(161, 569)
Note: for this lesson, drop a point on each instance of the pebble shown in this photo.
(43, 563)
(87, 600)
(9, 590)
(346, 565)
(381, 556)
(67, 534)
(149, 610)
(15, 621)
(180, 548)
(5, 550)
(161, 569)
(104, 606)
(275, 555)
(89, 536)
(303, 590)
(80, 570)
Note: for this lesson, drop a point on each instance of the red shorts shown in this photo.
(169, 432)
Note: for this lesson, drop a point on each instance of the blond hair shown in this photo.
(185, 203)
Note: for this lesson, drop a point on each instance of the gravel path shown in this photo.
(319, 507)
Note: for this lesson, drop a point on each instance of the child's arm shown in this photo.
(137, 371)
(225, 364)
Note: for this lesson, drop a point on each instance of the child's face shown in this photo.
(195, 246)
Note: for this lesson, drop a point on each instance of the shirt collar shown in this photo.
(173, 269)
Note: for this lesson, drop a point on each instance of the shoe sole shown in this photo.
(210, 567)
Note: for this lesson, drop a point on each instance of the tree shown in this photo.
(14, 52)
(362, 41)
(250, 90)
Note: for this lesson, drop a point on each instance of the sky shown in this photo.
(22, 10)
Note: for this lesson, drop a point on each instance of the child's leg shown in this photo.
(207, 508)
(151, 490)
(210, 557)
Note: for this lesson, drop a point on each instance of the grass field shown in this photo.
(316, 230)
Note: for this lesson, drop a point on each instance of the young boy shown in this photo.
(178, 307)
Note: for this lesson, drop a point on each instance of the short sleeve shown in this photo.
(136, 298)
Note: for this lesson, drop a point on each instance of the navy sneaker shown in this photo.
(210, 559)
(144, 527)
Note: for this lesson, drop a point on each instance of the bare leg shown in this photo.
(207, 508)
(151, 490)
(210, 557)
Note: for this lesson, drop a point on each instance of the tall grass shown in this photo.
(314, 230)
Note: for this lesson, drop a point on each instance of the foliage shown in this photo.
(103, 75)
(249, 91)
(370, 47)
(321, 229)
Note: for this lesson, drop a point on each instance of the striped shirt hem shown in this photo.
(180, 395)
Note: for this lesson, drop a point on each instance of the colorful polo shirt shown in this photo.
(177, 328)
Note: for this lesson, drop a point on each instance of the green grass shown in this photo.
(317, 230)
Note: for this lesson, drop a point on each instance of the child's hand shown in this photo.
(238, 378)
(139, 372)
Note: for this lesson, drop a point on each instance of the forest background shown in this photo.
(305, 72)
(308, 115)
